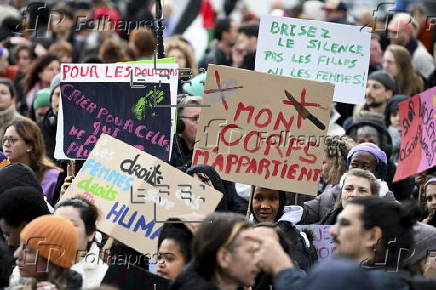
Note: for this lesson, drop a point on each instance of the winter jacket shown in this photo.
(189, 279)
(91, 268)
(181, 156)
(315, 209)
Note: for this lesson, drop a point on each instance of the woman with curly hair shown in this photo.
(39, 77)
(334, 164)
(23, 142)
(398, 63)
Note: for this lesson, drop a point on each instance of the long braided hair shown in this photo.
(336, 148)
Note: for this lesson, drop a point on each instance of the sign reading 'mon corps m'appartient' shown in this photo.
(261, 129)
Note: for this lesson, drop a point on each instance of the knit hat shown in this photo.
(430, 181)
(54, 237)
(425, 241)
(385, 79)
(55, 82)
(17, 174)
(382, 161)
(4, 161)
(42, 99)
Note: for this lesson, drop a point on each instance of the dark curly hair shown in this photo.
(336, 148)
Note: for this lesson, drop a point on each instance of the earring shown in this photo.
(28, 150)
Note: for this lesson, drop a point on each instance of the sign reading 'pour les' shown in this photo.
(100, 99)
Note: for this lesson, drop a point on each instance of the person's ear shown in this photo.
(223, 257)
(390, 93)
(91, 237)
(373, 237)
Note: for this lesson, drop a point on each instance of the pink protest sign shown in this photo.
(418, 143)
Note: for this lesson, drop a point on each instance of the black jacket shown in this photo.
(189, 279)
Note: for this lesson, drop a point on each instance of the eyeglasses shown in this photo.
(194, 118)
(10, 140)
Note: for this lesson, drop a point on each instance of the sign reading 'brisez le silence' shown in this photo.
(316, 50)
(99, 98)
(133, 190)
(263, 129)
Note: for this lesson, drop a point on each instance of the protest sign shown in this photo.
(136, 192)
(322, 239)
(316, 50)
(261, 129)
(103, 98)
(418, 142)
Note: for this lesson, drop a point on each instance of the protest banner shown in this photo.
(103, 98)
(261, 129)
(418, 142)
(137, 192)
(316, 50)
(322, 239)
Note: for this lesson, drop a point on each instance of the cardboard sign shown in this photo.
(263, 129)
(100, 98)
(418, 142)
(137, 192)
(316, 50)
(322, 241)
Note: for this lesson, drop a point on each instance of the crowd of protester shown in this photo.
(383, 230)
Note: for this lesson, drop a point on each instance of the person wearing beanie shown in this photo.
(372, 129)
(425, 243)
(392, 119)
(380, 87)
(402, 31)
(17, 174)
(48, 124)
(19, 206)
(366, 156)
(48, 248)
(41, 104)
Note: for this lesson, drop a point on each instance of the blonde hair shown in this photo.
(176, 42)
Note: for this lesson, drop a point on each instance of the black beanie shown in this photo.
(385, 79)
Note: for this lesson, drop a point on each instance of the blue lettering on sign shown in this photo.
(96, 169)
(135, 222)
